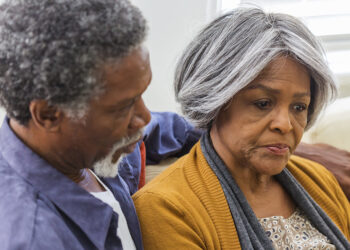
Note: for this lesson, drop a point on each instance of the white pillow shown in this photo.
(333, 126)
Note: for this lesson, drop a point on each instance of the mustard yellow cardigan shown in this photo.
(185, 207)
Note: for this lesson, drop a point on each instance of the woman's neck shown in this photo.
(264, 193)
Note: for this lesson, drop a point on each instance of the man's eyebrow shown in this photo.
(126, 102)
(276, 91)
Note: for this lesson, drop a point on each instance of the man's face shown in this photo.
(108, 166)
(114, 119)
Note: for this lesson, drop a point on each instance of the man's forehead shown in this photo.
(138, 57)
(126, 79)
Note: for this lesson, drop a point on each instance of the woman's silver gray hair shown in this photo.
(232, 50)
(53, 50)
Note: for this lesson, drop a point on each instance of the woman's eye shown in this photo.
(300, 107)
(263, 104)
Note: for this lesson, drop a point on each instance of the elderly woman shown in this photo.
(255, 82)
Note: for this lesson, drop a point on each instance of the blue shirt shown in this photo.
(42, 209)
(167, 135)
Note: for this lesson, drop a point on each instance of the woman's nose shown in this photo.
(281, 121)
(141, 116)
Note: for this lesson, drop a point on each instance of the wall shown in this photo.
(172, 24)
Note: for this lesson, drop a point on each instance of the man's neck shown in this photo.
(89, 182)
(83, 177)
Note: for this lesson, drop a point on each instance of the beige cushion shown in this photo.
(333, 126)
(154, 170)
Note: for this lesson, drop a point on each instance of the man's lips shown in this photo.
(124, 150)
(278, 149)
(129, 148)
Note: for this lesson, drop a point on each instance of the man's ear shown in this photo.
(45, 116)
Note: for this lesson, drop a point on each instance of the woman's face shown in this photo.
(265, 121)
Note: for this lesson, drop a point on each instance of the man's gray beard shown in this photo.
(105, 167)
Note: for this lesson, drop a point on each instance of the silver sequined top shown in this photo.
(295, 232)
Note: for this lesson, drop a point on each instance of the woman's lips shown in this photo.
(278, 149)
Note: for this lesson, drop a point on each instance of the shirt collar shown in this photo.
(90, 214)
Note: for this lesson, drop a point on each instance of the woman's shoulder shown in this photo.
(308, 170)
(187, 198)
(315, 178)
(323, 187)
(167, 182)
(184, 176)
(171, 183)
(187, 185)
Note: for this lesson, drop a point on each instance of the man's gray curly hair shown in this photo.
(51, 50)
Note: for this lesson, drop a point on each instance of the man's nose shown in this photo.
(141, 116)
(281, 121)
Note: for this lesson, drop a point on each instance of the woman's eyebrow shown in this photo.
(263, 87)
(304, 94)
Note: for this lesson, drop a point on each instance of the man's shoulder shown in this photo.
(17, 212)
(23, 212)
(13, 188)
(12, 185)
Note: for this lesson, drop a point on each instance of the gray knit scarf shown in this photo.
(250, 232)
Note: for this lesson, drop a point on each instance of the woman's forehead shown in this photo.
(282, 72)
(283, 64)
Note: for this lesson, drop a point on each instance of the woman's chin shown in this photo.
(270, 167)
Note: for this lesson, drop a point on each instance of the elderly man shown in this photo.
(72, 76)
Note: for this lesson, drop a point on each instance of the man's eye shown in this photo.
(300, 107)
(263, 104)
(127, 107)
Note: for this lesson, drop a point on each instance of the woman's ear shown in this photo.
(45, 116)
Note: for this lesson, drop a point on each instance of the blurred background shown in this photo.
(172, 24)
